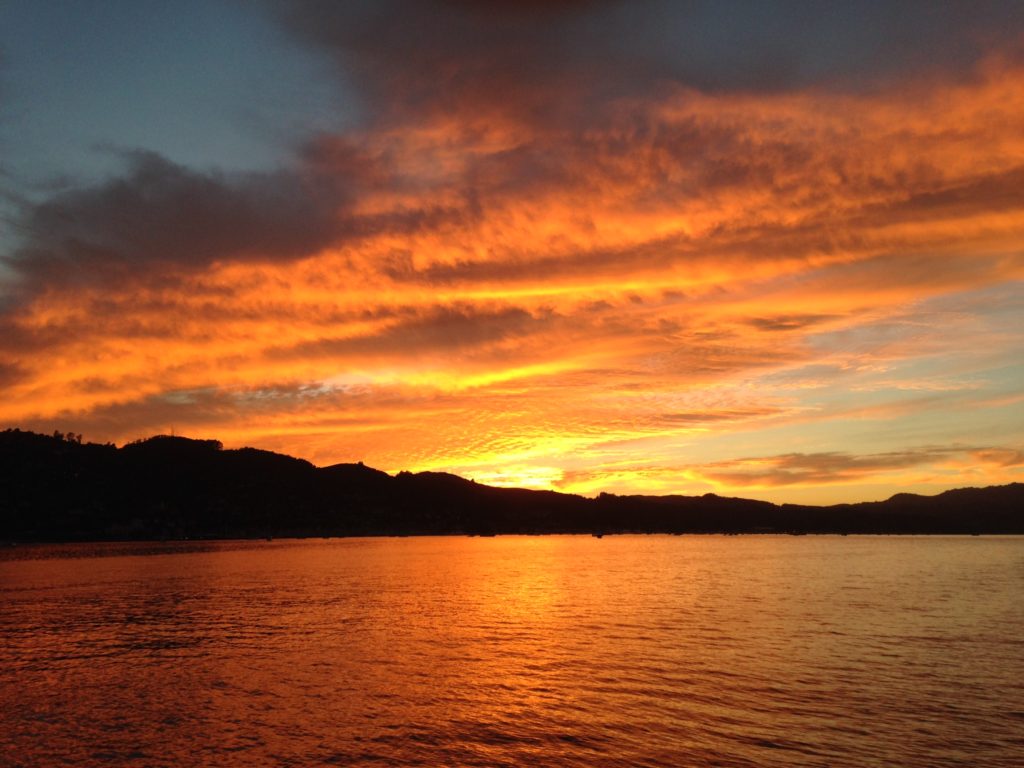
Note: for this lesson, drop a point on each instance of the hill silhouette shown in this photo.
(57, 488)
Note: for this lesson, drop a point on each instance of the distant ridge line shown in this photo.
(57, 488)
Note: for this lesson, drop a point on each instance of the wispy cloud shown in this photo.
(833, 468)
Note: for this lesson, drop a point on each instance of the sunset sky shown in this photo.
(773, 250)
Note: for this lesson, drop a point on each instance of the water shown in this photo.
(561, 651)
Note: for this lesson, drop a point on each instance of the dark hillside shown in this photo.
(56, 488)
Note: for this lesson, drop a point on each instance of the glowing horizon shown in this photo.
(804, 293)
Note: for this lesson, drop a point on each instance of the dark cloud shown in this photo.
(1001, 457)
(544, 59)
(547, 63)
(998, 191)
(441, 329)
(527, 266)
(10, 373)
(206, 409)
(756, 45)
(162, 214)
(409, 58)
(696, 418)
(789, 322)
(513, 8)
(160, 217)
(17, 340)
(154, 414)
(810, 468)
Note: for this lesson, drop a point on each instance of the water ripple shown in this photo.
(561, 651)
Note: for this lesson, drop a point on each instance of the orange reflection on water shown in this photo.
(512, 650)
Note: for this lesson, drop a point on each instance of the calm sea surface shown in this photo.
(628, 650)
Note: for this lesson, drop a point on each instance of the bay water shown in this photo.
(515, 651)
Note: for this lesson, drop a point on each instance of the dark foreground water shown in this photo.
(647, 650)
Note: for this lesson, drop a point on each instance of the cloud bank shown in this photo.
(552, 248)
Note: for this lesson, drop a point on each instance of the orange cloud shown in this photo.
(478, 289)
